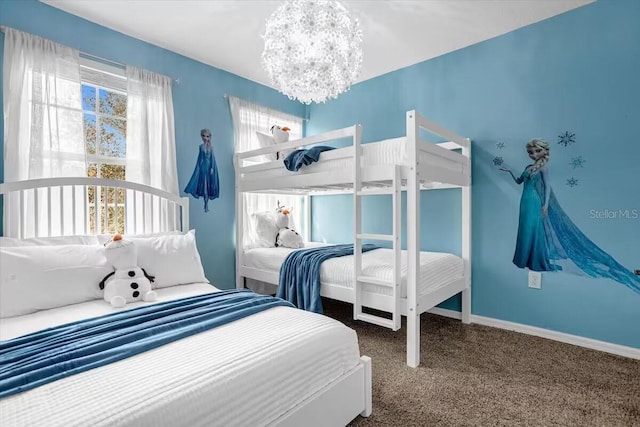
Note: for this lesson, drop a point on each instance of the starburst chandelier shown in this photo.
(312, 49)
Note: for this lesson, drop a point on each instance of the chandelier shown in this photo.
(312, 49)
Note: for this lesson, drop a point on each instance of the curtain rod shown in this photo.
(225, 96)
(96, 57)
(117, 64)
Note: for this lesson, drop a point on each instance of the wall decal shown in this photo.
(204, 181)
(498, 161)
(547, 239)
(572, 182)
(567, 138)
(499, 145)
(577, 162)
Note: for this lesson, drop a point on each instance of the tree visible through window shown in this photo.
(105, 129)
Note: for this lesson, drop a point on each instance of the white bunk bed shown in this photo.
(409, 164)
(324, 380)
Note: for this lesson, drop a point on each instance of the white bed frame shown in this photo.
(68, 196)
(335, 405)
(444, 168)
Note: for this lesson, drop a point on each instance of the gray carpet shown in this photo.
(472, 375)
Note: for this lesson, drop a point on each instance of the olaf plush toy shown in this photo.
(287, 237)
(128, 283)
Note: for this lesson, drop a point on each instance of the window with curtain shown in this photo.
(249, 118)
(69, 116)
(104, 116)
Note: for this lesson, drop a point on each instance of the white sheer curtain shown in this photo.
(151, 147)
(43, 128)
(249, 117)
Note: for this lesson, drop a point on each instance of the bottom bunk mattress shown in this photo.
(248, 372)
(437, 269)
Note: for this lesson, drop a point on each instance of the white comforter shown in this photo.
(246, 373)
(437, 269)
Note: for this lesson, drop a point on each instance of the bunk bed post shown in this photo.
(466, 238)
(357, 222)
(413, 243)
(307, 217)
(239, 224)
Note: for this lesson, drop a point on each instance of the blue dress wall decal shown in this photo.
(204, 181)
(547, 239)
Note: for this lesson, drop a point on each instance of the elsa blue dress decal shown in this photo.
(547, 239)
(204, 181)
(531, 244)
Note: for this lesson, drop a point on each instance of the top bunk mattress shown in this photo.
(437, 269)
(387, 152)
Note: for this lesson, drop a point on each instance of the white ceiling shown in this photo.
(227, 34)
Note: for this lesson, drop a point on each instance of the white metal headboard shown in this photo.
(83, 205)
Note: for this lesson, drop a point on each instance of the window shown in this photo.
(249, 118)
(69, 116)
(262, 119)
(104, 109)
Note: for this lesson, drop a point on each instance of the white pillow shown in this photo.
(106, 238)
(47, 241)
(34, 278)
(172, 258)
(280, 136)
(264, 228)
(265, 140)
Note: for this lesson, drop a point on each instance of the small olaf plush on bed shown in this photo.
(287, 237)
(128, 283)
(281, 135)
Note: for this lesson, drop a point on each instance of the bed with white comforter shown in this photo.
(437, 269)
(250, 372)
(277, 367)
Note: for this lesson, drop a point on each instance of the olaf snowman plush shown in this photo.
(287, 237)
(128, 283)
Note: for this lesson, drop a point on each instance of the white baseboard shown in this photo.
(620, 350)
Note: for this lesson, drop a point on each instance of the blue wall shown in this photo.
(577, 73)
(198, 102)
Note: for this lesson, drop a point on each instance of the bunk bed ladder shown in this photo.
(360, 279)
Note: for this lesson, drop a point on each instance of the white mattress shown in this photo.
(390, 151)
(246, 373)
(436, 269)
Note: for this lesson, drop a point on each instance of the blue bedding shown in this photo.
(36, 359)
(299, 281)
(304, 157)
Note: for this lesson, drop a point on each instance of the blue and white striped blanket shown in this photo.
(42, 357)
(299, 281)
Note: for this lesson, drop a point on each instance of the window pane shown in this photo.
(88, 98)
(92, 170)
(108, 171)
(90, 132)
(112, 137)
(91, 194)
(113, 103)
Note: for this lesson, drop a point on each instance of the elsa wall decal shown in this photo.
(204, 181)
(547, 239)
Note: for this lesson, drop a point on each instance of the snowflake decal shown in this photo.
(577, 162)
(498, 161)
(499, 145)
(567, 138)
(572, 182)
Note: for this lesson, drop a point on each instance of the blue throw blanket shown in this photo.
(299, 281)
(33, 360)
(299, 158)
